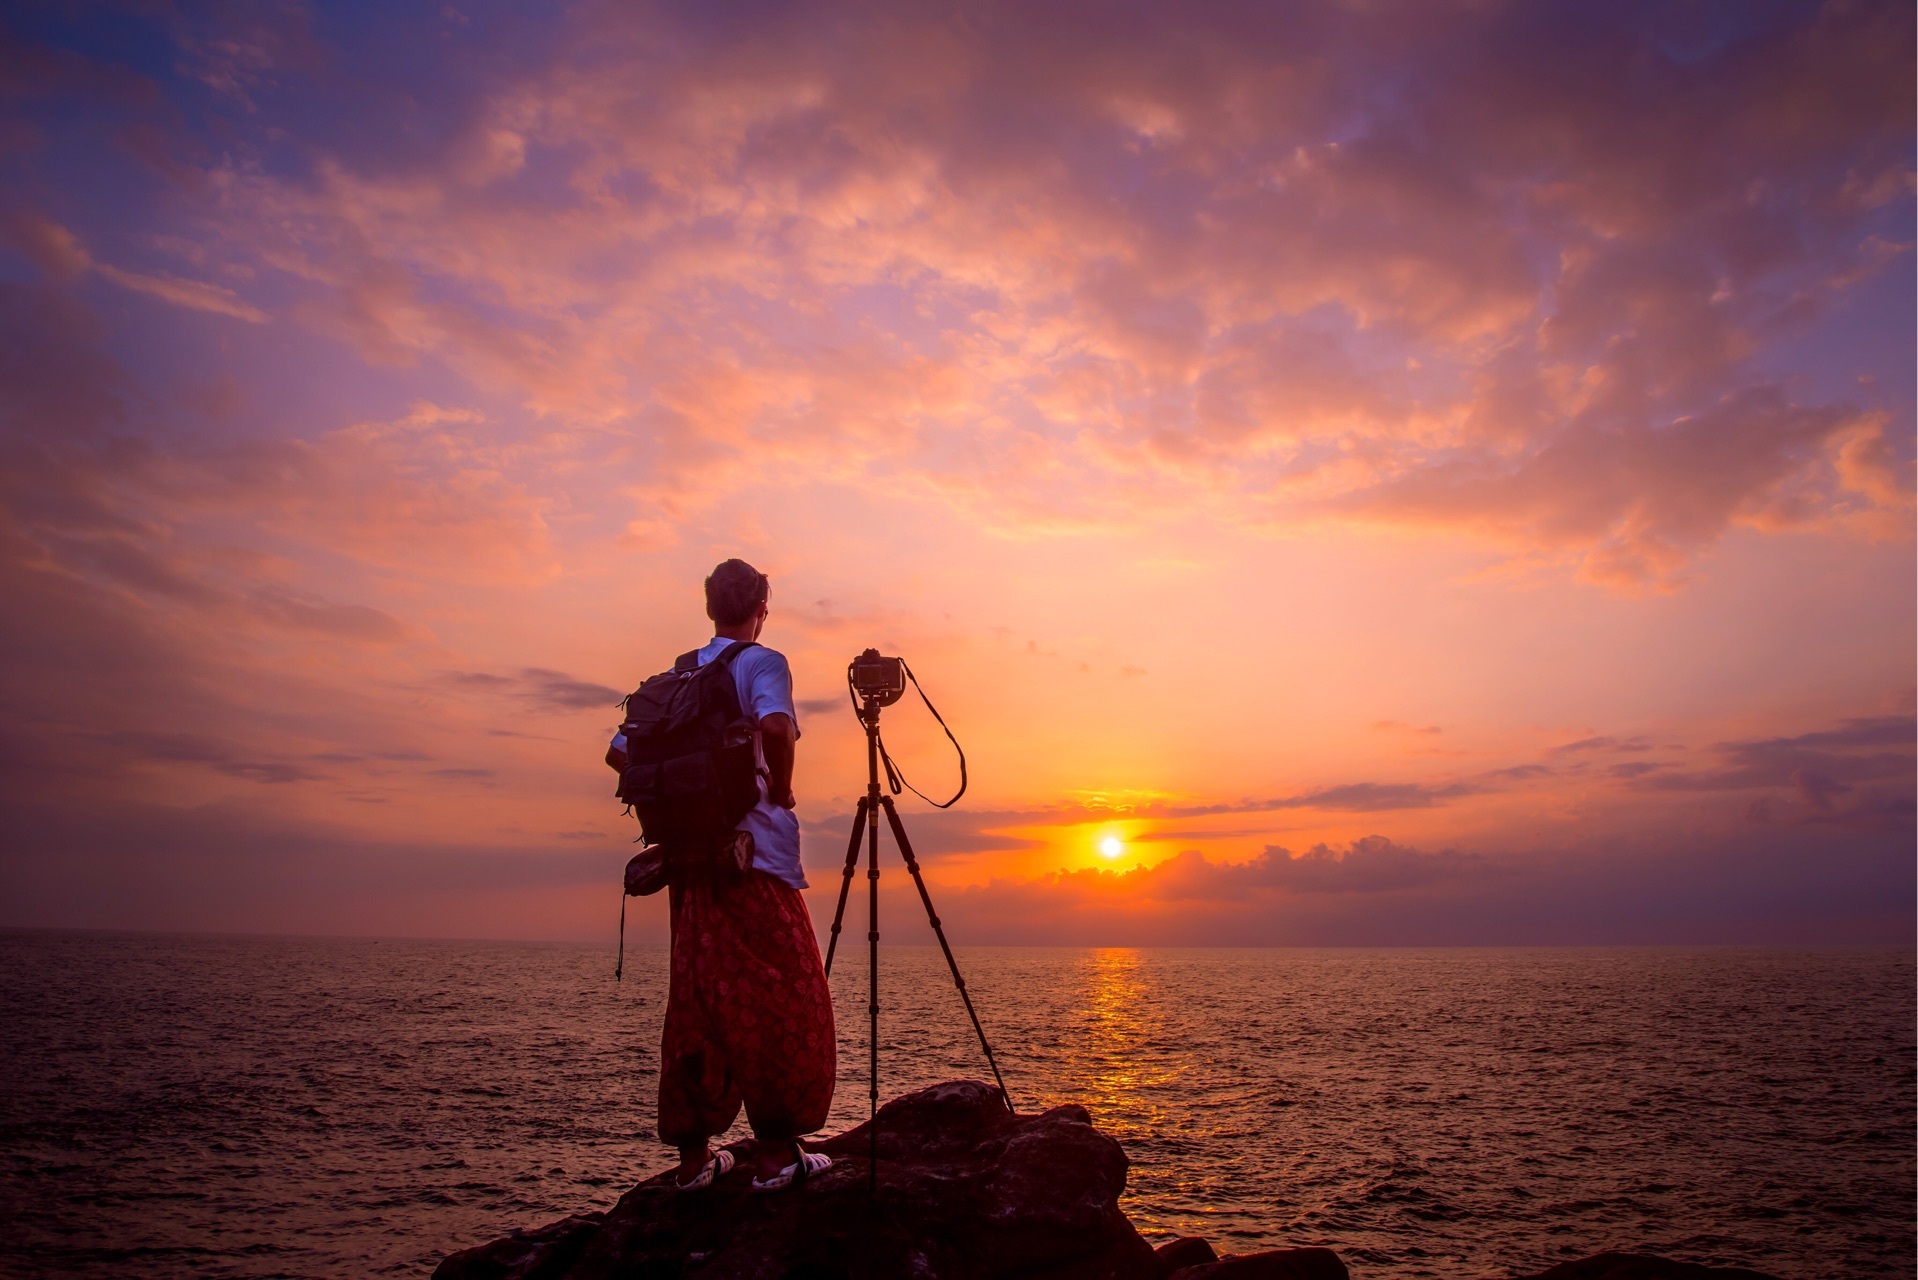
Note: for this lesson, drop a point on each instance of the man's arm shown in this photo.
(777, 736)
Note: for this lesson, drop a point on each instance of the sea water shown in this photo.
(254, 1107)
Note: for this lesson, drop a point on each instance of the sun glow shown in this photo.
(1112, 846)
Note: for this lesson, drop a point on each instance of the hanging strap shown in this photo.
(896, 777)
(620, 966)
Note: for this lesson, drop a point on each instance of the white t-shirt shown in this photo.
(765, 685)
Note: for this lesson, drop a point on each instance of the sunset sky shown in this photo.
(1403, 471)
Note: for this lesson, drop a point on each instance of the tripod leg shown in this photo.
(845, 885)
(872, 1005)
(912, 865)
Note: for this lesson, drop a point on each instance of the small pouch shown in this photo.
(646, 873)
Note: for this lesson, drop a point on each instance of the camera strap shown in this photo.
(896, 777)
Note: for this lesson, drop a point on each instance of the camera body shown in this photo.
(878, 679)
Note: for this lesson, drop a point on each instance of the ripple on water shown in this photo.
(233, 1107)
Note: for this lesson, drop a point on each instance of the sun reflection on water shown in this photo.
(1120, 1016)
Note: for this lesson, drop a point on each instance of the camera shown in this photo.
(878, 679)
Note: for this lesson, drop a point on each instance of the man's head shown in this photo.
(735, 592)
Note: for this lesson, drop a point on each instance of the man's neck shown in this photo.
(745, 631)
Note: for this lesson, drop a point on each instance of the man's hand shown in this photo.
(777, 734)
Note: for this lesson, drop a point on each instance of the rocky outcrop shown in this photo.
(964, 1191)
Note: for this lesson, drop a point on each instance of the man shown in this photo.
(749, 1016)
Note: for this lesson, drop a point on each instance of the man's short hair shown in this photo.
(734, 592)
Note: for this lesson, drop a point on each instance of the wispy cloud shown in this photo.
(195, 294)
(548, 690)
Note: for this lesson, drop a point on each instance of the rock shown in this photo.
(966, 1190)
(1186, 1251)
(1642, 1266)
(540, 1254)
(1273, 1264)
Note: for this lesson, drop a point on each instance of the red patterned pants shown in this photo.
(748, 1016)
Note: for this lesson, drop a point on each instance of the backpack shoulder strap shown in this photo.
(734, 649)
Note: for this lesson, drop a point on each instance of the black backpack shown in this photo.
(685, 755)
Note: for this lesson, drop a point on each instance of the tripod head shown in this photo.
(877, 680)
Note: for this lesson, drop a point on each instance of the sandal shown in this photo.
(716, 1168)
(809, 1163)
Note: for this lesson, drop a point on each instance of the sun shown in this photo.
(1112, 846)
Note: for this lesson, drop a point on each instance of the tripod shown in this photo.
(867, 817)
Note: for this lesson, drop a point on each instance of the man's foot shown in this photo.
(770, 1175)
(691, 1161)
(770, 1156)
(702, 1168)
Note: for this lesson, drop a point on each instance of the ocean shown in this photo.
(265, 1107)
